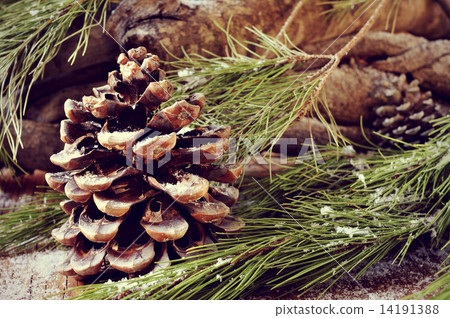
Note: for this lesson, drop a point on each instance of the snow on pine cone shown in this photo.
(138, 186)
(411, 121)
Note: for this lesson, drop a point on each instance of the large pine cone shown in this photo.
(138, 187)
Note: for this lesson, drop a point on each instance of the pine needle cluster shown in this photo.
(31, 34)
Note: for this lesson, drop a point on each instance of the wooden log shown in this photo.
(40, 141)
(177, 24)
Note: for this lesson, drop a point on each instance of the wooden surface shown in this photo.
(33, 276)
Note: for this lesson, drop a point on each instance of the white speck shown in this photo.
(183, 130)
(193, 82)
(183, 186)
(361, 178)
(186, 72)
(348, 150)
(34, 12)
(221, 261)
(360, 164)
(350, 231)
(326, 210)
(196, 3)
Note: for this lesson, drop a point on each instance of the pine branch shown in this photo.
(31, 34)
(332, 206)
(259, 98)
(348, 214)
(352, 210)
(22, 228)
(344, 214)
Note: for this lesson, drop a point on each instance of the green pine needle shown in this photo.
(332, 222)
(31, 34)
(341, 8)
(22, 228)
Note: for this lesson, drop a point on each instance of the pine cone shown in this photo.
(410, 121)
(138, 187)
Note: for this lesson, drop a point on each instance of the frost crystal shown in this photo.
(350, 231)
(195, 3)
(361, 178)
(326, 210)
(186, 72)
(360, 164)
(348, 150)
(221, 261)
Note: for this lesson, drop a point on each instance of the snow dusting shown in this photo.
(183, 186)
(196, 3)
(359, 164)
(351, 231)
(361, 178)
(221, 261)
(326, 210)
(348, 150)
(30, 275)
(186, 72)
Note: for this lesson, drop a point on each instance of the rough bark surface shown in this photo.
(353, 91)
(373, 75)
(39, 141)
(191, 24)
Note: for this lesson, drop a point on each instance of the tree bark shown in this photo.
(177, 24)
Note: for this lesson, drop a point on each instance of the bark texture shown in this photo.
(375, 74)
(39, 140)
(177, 24)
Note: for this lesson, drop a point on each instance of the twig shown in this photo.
(287, 23)
(344, 50)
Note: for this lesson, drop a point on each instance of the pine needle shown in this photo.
(341, 8)
(31, 34)
(22, 228)
(337, 224)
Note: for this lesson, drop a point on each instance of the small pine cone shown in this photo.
(410, 121)
(139, 188)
